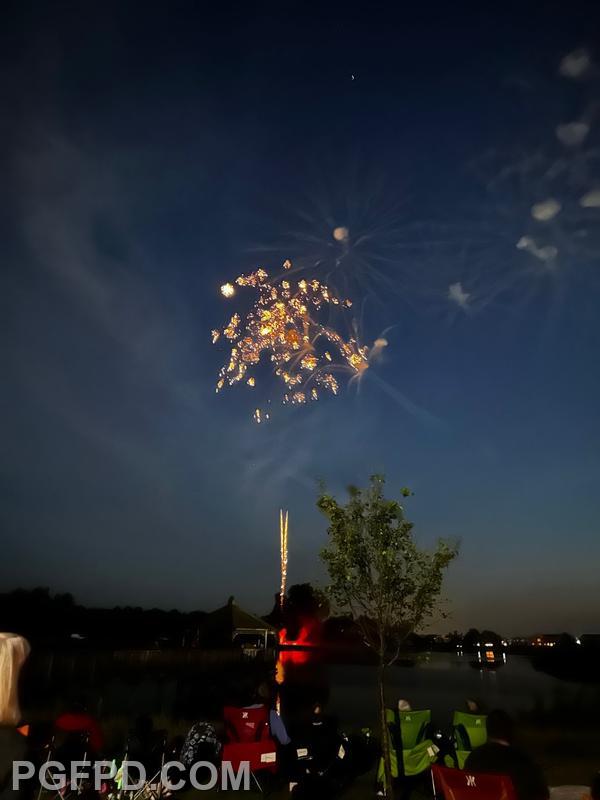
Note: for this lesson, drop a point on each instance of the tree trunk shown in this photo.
(385, 735)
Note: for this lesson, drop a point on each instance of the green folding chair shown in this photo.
(408, 732)
(469, 732)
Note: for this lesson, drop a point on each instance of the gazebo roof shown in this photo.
(231, 618)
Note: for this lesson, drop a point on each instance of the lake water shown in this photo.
(441, 682)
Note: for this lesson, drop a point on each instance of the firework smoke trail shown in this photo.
(373, 259)
(544, 200)
(283, 536)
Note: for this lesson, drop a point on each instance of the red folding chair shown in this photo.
(73, 722)
(457, 784)
(249, 740)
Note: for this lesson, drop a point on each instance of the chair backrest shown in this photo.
(80, 722)
(413, 725)
(246, 724)
(456, 784)
(475, 727)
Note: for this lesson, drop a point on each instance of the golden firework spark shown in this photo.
(283, 537)
(283, 324)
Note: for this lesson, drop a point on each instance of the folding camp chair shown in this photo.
(75, 749)
(409, 733)
(82, 741)
(249, 740)
(453, 784)
(80, 722)
(153, 761)
(468, 732)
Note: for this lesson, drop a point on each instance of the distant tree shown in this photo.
(53, 619)
(304, 606)
(490, 637)
(342, 629)
(377, 572)
(454, 639)
(566, 642)
(275, 615)
(471, 640)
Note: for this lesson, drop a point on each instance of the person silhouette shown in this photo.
(14, 650)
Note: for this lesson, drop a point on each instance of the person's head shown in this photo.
(500, 727)
(14, 649)
(263, 692)
(404, 705)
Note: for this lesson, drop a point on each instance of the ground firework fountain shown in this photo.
(283, 536)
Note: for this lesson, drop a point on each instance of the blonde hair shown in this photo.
(14, 649)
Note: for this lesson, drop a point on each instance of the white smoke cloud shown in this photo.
(590, 199)
(546, 253)
(546, 210)
(575, 64)
(456, 294)
(572, 134)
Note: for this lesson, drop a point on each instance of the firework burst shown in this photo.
(285, 326)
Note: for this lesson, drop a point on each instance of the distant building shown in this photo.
(590, 640)
(546, 639)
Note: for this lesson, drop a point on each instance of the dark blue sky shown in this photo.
(155, 151)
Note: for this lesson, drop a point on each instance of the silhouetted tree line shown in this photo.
(46, 618)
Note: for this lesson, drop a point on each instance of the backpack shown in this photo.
(200, 744)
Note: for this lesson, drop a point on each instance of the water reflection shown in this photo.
(439, 681)
(490, 656)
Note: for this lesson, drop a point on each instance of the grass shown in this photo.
(568, 754)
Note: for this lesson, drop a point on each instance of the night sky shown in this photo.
(153, 151)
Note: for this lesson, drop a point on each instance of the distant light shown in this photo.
(227, 290)
(578, 641)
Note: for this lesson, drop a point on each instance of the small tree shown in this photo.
(378, 573)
